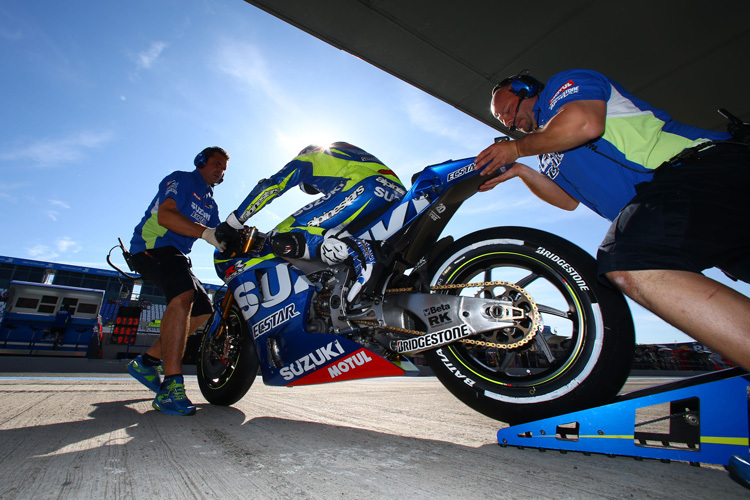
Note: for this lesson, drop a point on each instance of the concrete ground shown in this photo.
(95, 435)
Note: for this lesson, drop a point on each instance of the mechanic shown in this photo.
(677, 194)
(182, 211)
(354, 185)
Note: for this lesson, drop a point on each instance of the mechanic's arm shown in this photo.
(169, 216)
(538, 183)
(575, 124)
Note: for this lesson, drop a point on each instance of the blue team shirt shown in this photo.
(194, 199)
(638, 138)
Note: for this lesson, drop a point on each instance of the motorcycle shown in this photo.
(513, 321)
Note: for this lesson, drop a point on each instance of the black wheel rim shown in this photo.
(544, 360)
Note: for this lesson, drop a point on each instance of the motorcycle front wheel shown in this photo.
(581, 357)
(228, 364)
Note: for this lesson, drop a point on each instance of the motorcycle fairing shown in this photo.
(274, 297)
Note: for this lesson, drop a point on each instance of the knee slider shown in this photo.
(291, 245)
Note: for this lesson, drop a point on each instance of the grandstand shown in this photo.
(118, 290)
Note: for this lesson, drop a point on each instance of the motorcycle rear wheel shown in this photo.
(581, 359)
(228, 364)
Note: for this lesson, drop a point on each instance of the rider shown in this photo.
(354, 184)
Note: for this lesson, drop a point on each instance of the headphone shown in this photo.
(522, 84)
(202, 158)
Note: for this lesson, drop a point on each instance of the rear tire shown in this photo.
(580, 360)
(228, 364)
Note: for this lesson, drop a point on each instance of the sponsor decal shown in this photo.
(196, 196)
(348, 200)
(319, 200)
(461, 172)
(549, 164)
(391, 185)
(381, 231)
(172, 187)
(566, 90)
(234, 270)
(434, 339)
(456, 372)
(259, 203)
(199, 214)
(312, 361)
(565, 266)
(278, 318)
(351, 363)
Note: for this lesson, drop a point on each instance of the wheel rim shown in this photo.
(553, 352)
(221, 353)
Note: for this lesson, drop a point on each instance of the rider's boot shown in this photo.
(357, 253)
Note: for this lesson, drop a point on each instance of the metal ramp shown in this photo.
(705, 420)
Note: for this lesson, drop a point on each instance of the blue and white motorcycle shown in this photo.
(512, 320)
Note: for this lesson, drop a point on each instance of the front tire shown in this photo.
(581, 359)
(228, 364)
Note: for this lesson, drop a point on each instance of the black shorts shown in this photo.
(693, 216)
(169, 269)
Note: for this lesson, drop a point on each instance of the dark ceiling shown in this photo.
(684, 56)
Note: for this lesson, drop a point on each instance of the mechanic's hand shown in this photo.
(230, 237)
(209, 234)
(496, 156)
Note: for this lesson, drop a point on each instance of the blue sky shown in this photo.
(102, 99)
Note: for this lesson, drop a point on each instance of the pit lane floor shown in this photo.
(95, 435)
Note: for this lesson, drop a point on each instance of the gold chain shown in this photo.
(534, 313)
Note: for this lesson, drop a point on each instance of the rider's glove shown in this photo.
(209, 234)
(333, 251)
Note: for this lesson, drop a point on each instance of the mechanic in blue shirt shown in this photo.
(182, 211)
(677, 195)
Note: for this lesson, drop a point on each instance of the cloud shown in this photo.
(53, 152)
(42, 252)
(145, 59)
(246, 64)
(425, 113)
(66, 244)
(59, 203)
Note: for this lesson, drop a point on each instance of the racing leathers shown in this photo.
(354, 184)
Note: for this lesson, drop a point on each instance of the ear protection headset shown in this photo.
(202, 158)
(523, 85)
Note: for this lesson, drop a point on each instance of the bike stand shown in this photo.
(706, 422)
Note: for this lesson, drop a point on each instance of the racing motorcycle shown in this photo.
(513, 321)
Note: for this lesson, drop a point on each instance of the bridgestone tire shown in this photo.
(228, 364)
(580, 360)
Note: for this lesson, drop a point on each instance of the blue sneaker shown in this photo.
(146, 375)
(172, 400)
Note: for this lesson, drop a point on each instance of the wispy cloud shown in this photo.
(59, 203)
(425, 113)
(146, 58)
(53, 152)
(60, 247)
(246, 63)
(67, 245)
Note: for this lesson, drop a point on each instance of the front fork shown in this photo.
(250, 237)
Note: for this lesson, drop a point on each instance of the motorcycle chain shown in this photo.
(536, 319)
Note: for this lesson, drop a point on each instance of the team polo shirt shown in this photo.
(638, 138)
(194, 199)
